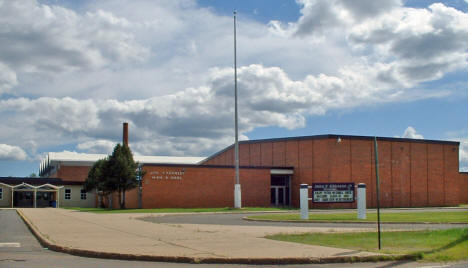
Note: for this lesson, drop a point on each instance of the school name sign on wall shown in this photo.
(333, 192)
(167, 175)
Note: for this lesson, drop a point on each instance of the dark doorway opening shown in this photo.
(23, 199)
(280, 190)
(44, 199)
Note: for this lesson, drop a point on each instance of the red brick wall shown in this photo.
(279, 154)
(203, 187)
(464, 195)
(267, 154)
(412, 173)
(418, 175)
(131, 199)
(451, 182)
(435, 180)
(401, 170)
(244, 155)
(255, 154)
(320, 159)
(73, 173)
(362, 162)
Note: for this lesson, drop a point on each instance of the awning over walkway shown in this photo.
(26, 187)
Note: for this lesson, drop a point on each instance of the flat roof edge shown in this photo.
(39, 180)
(356, 137)
(335, 136)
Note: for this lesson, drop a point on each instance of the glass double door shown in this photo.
(278, 196)
(279, 190)
(25, 199)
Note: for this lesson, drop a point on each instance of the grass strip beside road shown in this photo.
(410, 216)
(437, 246)
(177, 210)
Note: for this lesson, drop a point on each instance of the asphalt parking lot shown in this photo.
(237, 219)
(29, 253)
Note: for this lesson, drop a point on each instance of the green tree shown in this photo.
(99, 179)
(123, 171)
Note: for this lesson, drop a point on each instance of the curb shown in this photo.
(350, 222)
(195, 213)
(46, 243)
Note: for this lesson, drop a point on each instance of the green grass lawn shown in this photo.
(409, 216)
(437, 246)
(176, 210)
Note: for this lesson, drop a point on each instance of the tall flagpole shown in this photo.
(237, 186)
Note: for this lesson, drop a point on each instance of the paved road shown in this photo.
(29, 253)
(236, 219)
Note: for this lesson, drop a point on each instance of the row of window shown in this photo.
(68, 193)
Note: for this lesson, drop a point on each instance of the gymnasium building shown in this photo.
(413, 173)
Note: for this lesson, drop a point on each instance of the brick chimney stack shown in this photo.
(125, 133)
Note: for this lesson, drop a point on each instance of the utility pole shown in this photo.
(237, 186)
(376, 152)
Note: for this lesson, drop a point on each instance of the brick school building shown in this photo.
(413, 172)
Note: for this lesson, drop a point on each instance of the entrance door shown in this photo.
(44, 199)
(279, 191)
(23, 199)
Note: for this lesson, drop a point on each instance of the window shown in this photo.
(83, 194)
(1, 193)
(67, 194)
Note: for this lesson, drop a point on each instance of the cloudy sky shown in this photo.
(72, 71)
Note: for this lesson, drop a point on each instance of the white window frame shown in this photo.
(83, 194)
(67, 196)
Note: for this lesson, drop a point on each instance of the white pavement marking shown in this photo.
(10, 245)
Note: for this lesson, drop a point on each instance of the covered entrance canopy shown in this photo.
(27, 195)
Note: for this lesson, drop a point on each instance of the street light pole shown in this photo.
(237, 186)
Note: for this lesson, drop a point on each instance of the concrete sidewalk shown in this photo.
(124, 236)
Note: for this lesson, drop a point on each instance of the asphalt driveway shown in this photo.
(236, 219)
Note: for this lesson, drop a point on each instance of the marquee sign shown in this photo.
(333, 192)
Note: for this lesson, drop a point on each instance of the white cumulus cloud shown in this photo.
(12, 153)
(8, 78)
(463, 154)
(97, 146)
(47, 40)
(411, 133)
(203, 114)
(73, 76)
(416, 45)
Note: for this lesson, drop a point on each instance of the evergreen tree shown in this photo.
(99, 179)
(118, 172)
(123, 171)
